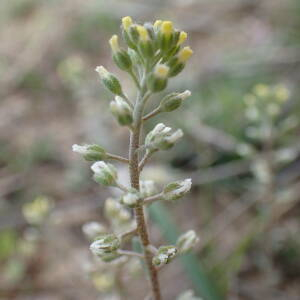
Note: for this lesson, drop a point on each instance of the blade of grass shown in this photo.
(196, 272)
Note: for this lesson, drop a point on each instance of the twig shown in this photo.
(118, 158)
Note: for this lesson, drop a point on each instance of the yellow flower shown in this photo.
(281, 93)
(114, 44)
(166, 28)
(161, 71)
(157, 24)
(261, 90)
(143, 33)
(185, 54)
(126, 22)
(182, 38)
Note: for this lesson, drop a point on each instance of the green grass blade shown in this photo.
(196, 272)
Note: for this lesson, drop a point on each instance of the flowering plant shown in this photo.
(154, 55)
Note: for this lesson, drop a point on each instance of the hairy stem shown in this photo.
(139, 211)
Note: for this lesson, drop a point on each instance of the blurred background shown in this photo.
(241, 148)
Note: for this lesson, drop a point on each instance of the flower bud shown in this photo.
(166, 35)
(161, 138)
(157, 25)
(173, 101)
(93, 229)
(157, 81)
(121, 110)
(90, 152)
(164, 256)
(145, 44)
(126, 22)
(182, 38)
(105, 173)
(131, 198)
(120, 56)
(129, 32)
(187, 241)
(104, 244)
(177, 189)
(147, 188)
(110, 81)
(178, 62)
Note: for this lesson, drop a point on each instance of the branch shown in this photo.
(121, 187)
(118, 158)
(153, 113)
(144, 160)
(152, 199)
(130, 253)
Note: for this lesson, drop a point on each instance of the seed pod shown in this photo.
(110, 81)
(104, 173)
(187, 241)
(122, 111)
(106, 243)
(90, 152)
(173, 101)
(161, 138)
(164, 256)
(177, 189)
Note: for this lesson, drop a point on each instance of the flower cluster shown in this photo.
(154, 54)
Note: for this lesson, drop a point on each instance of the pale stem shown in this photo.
(151, 114)
(152, 199)
(130, 253)
(121, 187)
(145, 159)
(118, 158)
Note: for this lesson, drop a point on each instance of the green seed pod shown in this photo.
(106, 243)
(110, 81)
(104, 173)
(122, 111)
(173, 101)
(165, 255)
(122, 60)
(90, 152)
(187, 241)
(177, 189)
